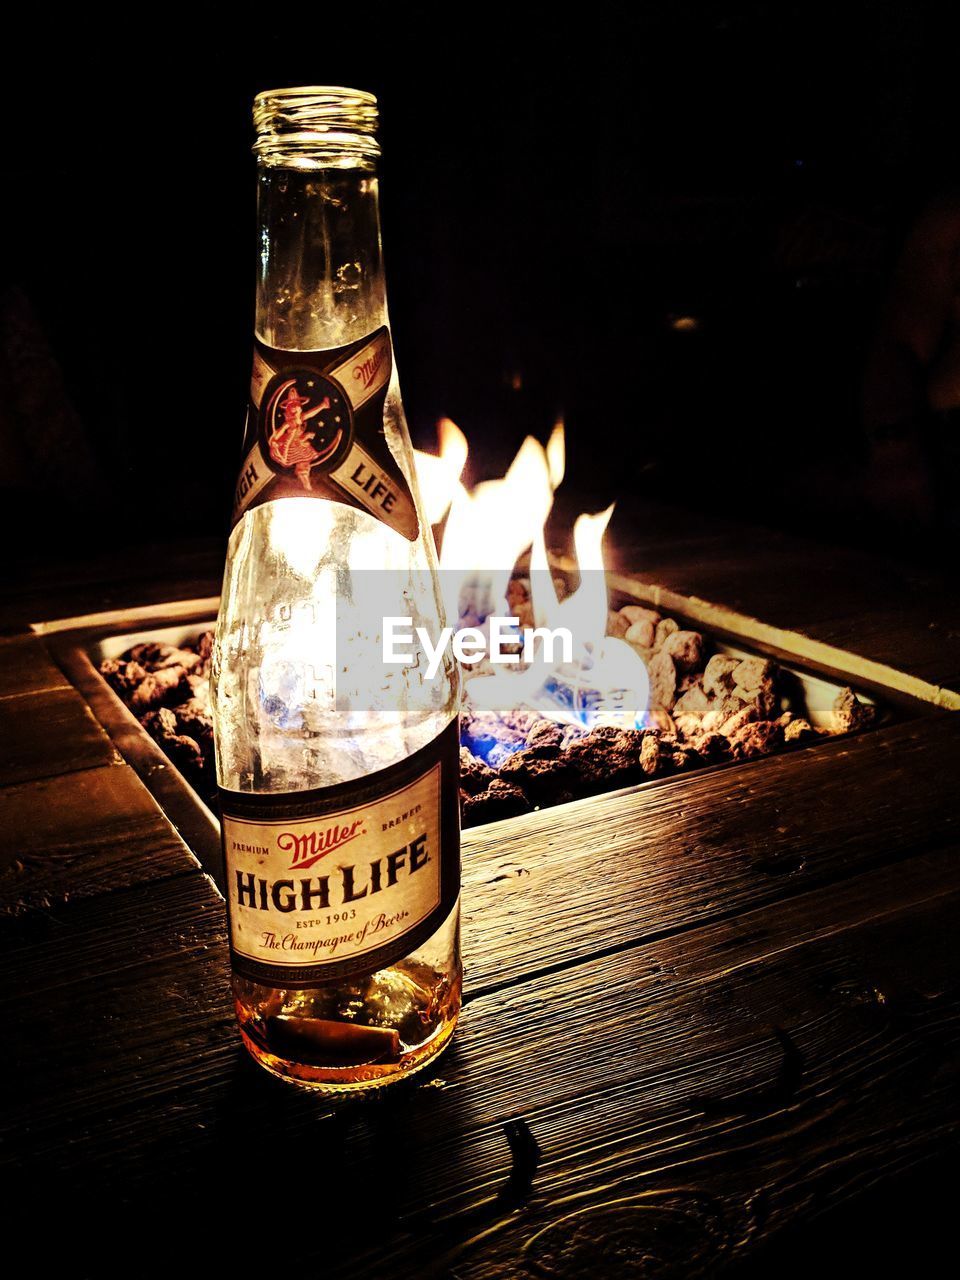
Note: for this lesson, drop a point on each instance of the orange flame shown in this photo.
(488, 529)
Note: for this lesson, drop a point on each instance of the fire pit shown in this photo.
(649, 694)
(711, 704)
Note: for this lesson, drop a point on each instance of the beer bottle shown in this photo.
(338, 775)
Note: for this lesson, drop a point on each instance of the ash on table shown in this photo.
(704, 710)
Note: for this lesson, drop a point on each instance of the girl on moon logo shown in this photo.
(307, 425)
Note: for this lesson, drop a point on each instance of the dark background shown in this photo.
(557, 194)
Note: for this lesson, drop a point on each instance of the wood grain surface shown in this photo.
(79, 834)
(549, 888)
(802, 1051)
(701, 1017)
(25, 667)
(46, 734)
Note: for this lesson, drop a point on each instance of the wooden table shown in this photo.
(714, 1030)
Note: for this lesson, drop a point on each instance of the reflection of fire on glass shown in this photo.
(292, 442)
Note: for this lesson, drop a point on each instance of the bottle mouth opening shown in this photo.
(314, 123)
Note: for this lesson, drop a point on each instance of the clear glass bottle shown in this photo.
(338, 775)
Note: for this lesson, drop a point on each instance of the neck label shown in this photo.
(315, 428)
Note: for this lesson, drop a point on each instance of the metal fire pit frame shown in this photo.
(78, 645)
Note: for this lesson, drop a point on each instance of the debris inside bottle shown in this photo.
(323, 1042)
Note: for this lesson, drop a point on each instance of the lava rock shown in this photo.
(475, 776)
(692, 702)
(617, 624)
(499, 800)
(545, 734)
(200, 687)
(204, 647)
(850, 714)
(521, 720)
(665, 628)
(606, 758)
(718, 674)
(746, 715)
(721, 710)
(162, 688)
(611, 734)
(639, 613)
(663, 680)
(687, 726)
(152, 654)
(158, 657)
(641, 634)
(541, 780)
(184, 751)
(661, 720)
(650, 755)
(686, 649)
(499, 753)
(683, 757)
(764, 698)
(194, 719)
(798, 731)
(123, 677)
(712, 747)
(757, 738)
(751, 673)
(571, 733)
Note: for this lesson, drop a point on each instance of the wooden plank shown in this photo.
(715, 1092)
(669, 857)
(131, 576)
(922, 639)
(113, 1002)
(793, 1054)
(733, 1082)
(82, 834)
(49, 733)
(549, 889)
(26, 667)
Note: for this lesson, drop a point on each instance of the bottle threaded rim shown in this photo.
(309, 123)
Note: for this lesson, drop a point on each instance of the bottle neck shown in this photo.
(320, 279)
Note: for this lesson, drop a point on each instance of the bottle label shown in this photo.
(315, 429)
(328, 884)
